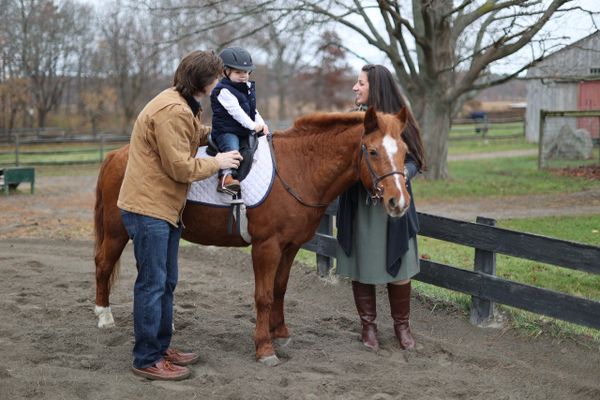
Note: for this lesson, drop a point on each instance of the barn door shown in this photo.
(589, 99)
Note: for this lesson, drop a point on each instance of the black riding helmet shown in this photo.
(237, 58)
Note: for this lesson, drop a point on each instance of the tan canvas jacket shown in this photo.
(161, 164)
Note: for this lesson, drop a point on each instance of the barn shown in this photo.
(568, 79)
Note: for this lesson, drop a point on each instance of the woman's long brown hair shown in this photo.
(385, 96)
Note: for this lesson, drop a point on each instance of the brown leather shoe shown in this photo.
(163, 370)
(181, 358)
(227, 184)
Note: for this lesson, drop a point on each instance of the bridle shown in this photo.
(376, 192)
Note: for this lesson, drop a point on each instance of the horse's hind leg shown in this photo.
(279, 330)
(107, 257)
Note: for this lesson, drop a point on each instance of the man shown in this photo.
(161, 166)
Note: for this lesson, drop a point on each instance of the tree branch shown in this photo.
(501, 49)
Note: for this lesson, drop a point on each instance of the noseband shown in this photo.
(376, 192)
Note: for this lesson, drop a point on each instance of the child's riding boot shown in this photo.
(228, 184)
(399, 296)
(364, 297)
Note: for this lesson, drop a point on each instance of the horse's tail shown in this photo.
(99, 208)
(99, 219)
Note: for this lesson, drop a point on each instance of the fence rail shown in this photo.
(96, 147)
(482, 283)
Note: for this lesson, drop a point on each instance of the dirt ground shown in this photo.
(53, 350)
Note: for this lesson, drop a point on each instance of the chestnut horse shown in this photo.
(318, 158)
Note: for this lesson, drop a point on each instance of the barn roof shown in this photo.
(572, 62)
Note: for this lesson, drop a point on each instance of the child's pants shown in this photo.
(227, 142)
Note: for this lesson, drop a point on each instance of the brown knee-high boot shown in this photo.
(364, 297)
(399, 296)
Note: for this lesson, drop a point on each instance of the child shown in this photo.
(235, 117)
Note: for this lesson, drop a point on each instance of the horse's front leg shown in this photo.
(279, 330)
(265, 260)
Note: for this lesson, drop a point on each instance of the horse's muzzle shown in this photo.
(396, 207)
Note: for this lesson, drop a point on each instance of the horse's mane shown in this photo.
(329, 123)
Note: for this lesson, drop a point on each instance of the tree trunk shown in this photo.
(435, 128)
(42, 114)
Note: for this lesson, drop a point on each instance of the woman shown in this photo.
(374, 248)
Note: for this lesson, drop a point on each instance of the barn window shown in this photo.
(595, 71)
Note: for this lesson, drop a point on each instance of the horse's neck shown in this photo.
(326, 166)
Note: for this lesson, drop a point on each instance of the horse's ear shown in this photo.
(370, 121)
(402, 115)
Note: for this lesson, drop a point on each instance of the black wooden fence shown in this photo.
(482, 283)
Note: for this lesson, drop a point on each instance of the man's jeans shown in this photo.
(155, 244)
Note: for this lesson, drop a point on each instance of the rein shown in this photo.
(376, 191)
(287, 187)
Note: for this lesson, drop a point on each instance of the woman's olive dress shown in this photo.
(370, 250)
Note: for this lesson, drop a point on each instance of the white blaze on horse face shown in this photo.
(391, 148)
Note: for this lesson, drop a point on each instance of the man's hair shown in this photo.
(197, 70)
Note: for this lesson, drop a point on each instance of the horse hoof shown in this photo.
(270, 361)
(105, 317)
(282, 342)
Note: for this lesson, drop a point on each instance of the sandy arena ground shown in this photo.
(52, 349)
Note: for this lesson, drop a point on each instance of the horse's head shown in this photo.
(381, 162)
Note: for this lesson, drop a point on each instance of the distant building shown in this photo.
(568, 79)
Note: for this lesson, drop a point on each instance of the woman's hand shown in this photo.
(231, 159)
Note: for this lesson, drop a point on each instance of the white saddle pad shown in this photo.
(254, 188)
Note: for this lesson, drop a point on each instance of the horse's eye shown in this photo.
(373, 152)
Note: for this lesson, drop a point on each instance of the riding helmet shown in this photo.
(237, 58)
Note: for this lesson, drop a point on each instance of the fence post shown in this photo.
(101, 148)
(17, 149)
(482, 310)
(541, 163)
(324, 263)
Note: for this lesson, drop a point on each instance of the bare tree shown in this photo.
(130, 42)
(285, 42)
(441, 50)
(45, 33)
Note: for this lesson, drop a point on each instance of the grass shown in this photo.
(495, 130)
(498, 177)
(489, 146)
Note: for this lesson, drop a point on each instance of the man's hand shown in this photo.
(266, 130)
(231, 159)
(259, 127)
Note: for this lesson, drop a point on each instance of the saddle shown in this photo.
(256, 181)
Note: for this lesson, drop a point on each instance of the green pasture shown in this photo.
(498, 177)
